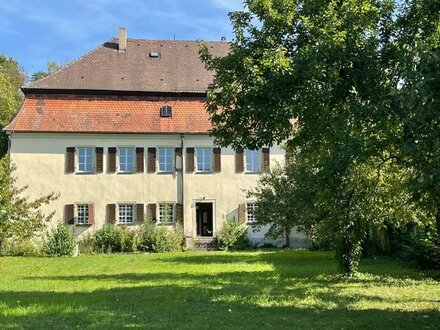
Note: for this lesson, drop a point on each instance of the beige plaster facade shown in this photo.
(41, 162)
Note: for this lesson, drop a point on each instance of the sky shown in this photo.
(34, 32)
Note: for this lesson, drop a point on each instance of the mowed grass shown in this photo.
(250, 290)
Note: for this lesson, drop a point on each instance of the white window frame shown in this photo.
(253, 155)
(91, 158)
(205, 151)
(126, 163)
(250, 216)
(121, 207)
(81, 218)
(160, 215)
(170, 149)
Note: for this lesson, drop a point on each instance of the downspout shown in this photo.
(182, 180)
(182, 193)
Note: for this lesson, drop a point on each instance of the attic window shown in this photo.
(165, 111)
(153, 54)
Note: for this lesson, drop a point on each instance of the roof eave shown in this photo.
(29, 90)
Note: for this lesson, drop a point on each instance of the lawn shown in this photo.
(255, 290)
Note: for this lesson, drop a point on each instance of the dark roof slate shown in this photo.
(177, 69)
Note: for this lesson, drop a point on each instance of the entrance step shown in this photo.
(205, 243)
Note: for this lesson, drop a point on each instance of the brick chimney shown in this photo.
(122, 39)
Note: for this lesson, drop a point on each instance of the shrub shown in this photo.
(60, 241)
(425, 251)
(233, 236)
(111, 238)
(26, 248)
(86, 244)
(155, 238)
(107, 240)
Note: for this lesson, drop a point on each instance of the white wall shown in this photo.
(40, 160)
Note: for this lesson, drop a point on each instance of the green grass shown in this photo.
(255, 290)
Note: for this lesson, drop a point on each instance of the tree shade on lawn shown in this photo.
(279, 289)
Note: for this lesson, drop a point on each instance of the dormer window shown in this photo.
(165, 111)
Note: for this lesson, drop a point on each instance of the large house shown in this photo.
(122, 135)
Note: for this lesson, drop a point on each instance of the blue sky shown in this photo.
(36, 31)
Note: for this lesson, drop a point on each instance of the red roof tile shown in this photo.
(110, 115)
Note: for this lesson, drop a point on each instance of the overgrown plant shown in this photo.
(157, 238)
(21, 218)
(60, 241)
(233, 236)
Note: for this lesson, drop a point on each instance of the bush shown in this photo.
(111, 239)
(86, 244)
(13, 247)
(59, 242)
(155, 238)
(233, 236)
(425, 251)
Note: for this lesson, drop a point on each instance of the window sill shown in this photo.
(249, 172)
(126, 173)
(203, 172)
(84, 173)
(164, 172)
(127, 224)
(83, 224)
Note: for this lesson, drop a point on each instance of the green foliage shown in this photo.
(282, 203)
(360, 79)
(233, 236)
(86, 244)
(52, 67)
(20, 217)
(11, 79)
(156, 238)
(25, 248)
(60, 241)
(110, 239)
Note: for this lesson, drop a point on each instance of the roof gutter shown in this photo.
(103, 92)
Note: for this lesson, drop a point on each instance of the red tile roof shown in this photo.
(177, 69)
(110, 115)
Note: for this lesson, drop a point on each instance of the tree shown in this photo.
(11, 79)
(327, 64)
(52, 67)
(20, 217)
(417, 100)
(283, 203)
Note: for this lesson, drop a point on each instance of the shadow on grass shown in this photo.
(166, 307)
(300, 292)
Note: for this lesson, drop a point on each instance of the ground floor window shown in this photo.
(166, 213)
(82, 214)
(250, 212)
(126, 213)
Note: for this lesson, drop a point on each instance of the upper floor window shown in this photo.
(165, 159)
(166, 213)
(126, 160)
(253, 161)
(126, 213)
(85, 160)
(82, 214)
(204, 162)
(250, 212)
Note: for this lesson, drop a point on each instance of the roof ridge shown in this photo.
(177, 40)
(65, 66)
